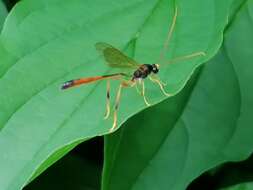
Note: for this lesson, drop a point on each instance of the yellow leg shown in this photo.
(163, 83)
(107, 113)
(143, 94)
(128, 83)
(155, 80)
(137, 89)
(115, 117)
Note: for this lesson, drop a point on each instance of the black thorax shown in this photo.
(144, 70)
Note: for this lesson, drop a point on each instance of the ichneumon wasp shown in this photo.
(116, 59)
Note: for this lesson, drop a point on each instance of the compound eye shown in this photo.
(155, 70)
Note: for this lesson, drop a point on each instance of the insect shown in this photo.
(116, 59)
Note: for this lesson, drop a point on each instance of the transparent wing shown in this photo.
(114, 57)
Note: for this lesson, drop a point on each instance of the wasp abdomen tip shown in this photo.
(67, 85)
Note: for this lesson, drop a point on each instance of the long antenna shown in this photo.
(166, 43)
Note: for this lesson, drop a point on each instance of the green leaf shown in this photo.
(169, 145)
(45, 43)
(3, 14)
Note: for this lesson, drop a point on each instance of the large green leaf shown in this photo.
(45, 43)
(167, 146)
